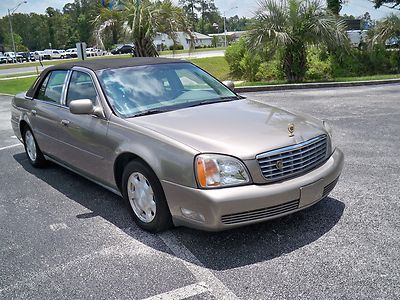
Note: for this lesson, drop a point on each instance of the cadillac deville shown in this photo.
(179, 146)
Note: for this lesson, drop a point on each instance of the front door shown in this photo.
(85, 136)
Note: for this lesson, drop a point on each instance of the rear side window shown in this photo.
(81, 87)
(52, 86)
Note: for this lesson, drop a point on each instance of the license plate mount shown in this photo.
(311, 193)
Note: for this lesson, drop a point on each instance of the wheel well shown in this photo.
(121, 161)
(22, 126)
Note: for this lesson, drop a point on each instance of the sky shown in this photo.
(230, 7)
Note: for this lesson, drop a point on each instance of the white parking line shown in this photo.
(182, 293)
(11, 146)
(199, 271)
(58, 226)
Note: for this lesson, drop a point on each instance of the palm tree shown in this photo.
(388, 28)
(292, 26)
(145, 18)
(108, 27)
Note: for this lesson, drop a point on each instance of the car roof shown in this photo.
(102, 64)
(114, 63)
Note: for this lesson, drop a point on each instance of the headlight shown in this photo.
(329, 129)
(215, 170)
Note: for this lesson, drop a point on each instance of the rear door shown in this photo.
(45, 114)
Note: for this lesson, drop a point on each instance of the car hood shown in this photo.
(241, 128)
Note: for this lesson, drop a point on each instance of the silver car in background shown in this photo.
(178, 145)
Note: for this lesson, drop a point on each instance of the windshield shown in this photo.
(157, 88)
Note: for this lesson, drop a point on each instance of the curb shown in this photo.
(1, 94)
(316, 85)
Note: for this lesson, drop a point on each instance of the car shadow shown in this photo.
(215, 250)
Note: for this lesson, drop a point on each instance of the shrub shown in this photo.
(364, 62)
(250, 65)
(176, 47)
(271, 70)
(233, 55)
(319, 65)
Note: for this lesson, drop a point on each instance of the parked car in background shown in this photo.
(71, 53)
(27, 56)
(91, 52)
(4, 59)
(63, 53)
(11, 55)
(54, 54)
(123, 49)
(41, 55)
(101, 52)
(178, 145)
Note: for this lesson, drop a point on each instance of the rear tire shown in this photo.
(35, 156)
(145, 197)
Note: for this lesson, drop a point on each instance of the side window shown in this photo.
(51, 88)
(81, 87)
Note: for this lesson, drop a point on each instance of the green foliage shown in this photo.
(145, 18)
(388, 3)
(291, 26)
(250, 65)
(335, 6)
(319, 64)
(176, 47)
(18, 43)
(234, 55)
(358, 62)
(271, 70)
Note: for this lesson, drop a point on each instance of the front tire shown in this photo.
(35, 156)
(144, 195)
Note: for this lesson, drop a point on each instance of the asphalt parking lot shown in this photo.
(63, 237)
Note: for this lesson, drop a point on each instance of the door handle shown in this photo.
(33, 112)
(65, 122)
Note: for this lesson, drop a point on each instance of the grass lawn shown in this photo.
(216, 66)
(19, 74)
(15, 86)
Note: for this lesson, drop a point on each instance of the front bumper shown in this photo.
(227, 208)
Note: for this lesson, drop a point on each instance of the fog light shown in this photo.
(193, 215)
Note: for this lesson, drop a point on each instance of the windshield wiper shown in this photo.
(217, 100)
(149, 112)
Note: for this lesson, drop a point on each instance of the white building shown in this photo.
(357, 37)
(200, 40)
(231, 37)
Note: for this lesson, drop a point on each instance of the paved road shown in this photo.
(204, 54)
(66, 238)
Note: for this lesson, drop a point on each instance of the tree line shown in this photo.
(81, 20)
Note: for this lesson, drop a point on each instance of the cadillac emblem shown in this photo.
(290, 128)
(279, 165)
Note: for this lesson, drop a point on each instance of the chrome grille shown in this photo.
(262, 213)
(292, 160)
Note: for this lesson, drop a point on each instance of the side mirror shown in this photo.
(84, 107)
(229, 84)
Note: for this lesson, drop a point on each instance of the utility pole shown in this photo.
(232, 8)
(10, 12)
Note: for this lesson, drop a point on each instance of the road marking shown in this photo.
(11, 146)
(199, 271)
(182, 293)
(58, 226)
